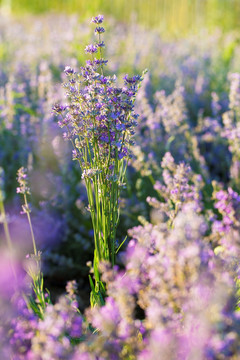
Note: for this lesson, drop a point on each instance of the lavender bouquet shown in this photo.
(99, 122)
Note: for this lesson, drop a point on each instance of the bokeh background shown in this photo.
(175, 17)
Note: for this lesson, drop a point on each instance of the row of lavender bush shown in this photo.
(174, 291)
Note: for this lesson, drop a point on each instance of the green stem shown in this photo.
(30, 225)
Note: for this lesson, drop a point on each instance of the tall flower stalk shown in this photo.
(100, 121)
(39, 303)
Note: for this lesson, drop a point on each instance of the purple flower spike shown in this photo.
(98, 19)
(123, 153)
(58, 109)
(91, 49)
(131, 80)
(68, 70)
(99, 30)
(22, 179)
(101, 44)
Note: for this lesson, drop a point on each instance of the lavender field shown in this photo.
(119, 191)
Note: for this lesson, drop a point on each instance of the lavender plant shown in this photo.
(39, 303)
(231, 121)
(100, 121)
(181, 185)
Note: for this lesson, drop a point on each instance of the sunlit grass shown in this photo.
(175, 17)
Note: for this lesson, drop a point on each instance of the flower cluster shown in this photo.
(181, 185)
(61, 325)
(22, 179)
(100, 115)
(231, 130)
(226, 224)
(23, 330)
(228, 205)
